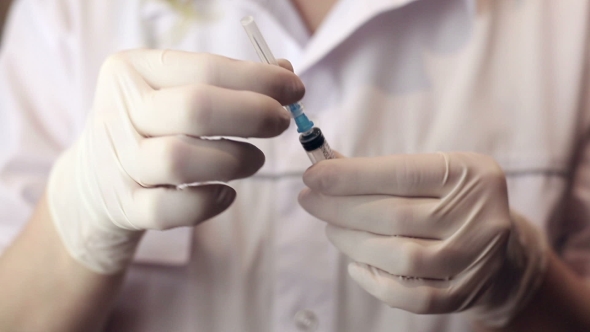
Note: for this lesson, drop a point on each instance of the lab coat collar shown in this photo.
(344, 19)
(347, 17)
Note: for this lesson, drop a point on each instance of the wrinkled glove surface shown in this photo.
(143, 142)
(429, 233)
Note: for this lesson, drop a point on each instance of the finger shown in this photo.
(338, 155)
(205, 110)
(420, 296)
(380, 214)
(164, 208)
(174, 160)
(401, 255)
(286, 64)
(421, 175)
(168, 68)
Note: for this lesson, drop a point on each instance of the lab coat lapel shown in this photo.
(344, 19)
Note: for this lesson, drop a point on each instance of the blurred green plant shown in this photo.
(190, 12)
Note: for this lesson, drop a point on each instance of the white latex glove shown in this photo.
(430, 233)
(142, 142)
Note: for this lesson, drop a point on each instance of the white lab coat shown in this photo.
(506, 78)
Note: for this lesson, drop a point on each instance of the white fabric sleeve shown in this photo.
(43, 110)
(36, 98)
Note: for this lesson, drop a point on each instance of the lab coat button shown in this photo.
(306, 320)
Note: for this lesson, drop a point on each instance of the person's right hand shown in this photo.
(143, 138)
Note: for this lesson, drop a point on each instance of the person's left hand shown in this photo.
(429, 233)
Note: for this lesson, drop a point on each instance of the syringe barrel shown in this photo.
(316, 146)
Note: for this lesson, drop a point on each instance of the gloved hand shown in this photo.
(144, 140)
(429, 233)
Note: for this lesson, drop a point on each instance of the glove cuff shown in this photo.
(101, 247)
(520, 276)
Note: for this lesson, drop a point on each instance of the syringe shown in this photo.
(311, 137)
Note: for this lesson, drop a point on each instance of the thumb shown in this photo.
(338, 155)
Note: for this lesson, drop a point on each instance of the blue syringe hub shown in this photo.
(301, 120)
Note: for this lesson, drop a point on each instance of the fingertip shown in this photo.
(286, 64)
(287, 87)
(225, 196)
(322, 177)
(303, 195)
(284, 120)
(294, 90)
(311, 173)
(358, 272)
(274, 123)
(251, 161)
(308, 174)
(338, 155)
(222, 197)
(169, 207)
(331, 233)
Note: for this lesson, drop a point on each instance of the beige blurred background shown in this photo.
(4, 4)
